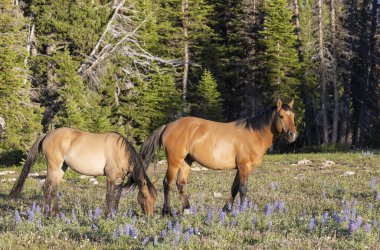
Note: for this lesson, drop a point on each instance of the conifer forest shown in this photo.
(133, 65)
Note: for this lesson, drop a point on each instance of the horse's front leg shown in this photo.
(118, 189)
(244, 171)
(110, 196)
(234, 190)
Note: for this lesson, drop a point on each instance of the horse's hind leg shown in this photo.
(110, 195)
(168, 184)
(55, 172)
(182, 182)
(118, 189)
(234, 191)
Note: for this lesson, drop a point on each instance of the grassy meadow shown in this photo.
(331, 201)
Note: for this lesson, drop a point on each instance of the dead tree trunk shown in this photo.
(185, 5)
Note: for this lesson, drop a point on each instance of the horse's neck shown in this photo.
(265, 137)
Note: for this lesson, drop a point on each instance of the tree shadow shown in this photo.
(11, 158)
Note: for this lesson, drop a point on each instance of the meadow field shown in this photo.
(295, 201)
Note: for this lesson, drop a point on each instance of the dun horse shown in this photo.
(92, 154)
(237, 145)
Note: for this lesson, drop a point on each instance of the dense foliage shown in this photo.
(124, 65)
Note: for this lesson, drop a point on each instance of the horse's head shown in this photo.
(147, 196)
(284, 120)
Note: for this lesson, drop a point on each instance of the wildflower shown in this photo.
(176, 240)
(39, 225)
(133, 233)
(374, 222)
(73, 214)
(170, 226)
(187, 237)
(62, 215)
(272, 186)
(367, 228)
(244, 204)
(31, 216)
(127, 229)
(163, 234)
(378, 195)
(174, 212)
(145, 241)
(193, 210)
(60, 195)
(238, 201)
(277, 185)
(34, 206)
(209, 218)
(47, 209)
(268, 210)
(359, 222)
(134, 219)
(255, 207)
(222, 216)
(352, 226)
(311, 224)
(115, 234)
(90, 215)
(97, 212)
(178, 227)
(233, 223)
(94, 227)
(113, 212)
(270, 223)
(370, 206)
(155, 241)
(121, 231)
(67, 221)
(346, 213)
(202, 209)
(250, 204)
(130, 213)
(372, 184)
(324, 219)
(38, 209)
(281, 206)
(17, 217)
(196, 231)
(235, 210)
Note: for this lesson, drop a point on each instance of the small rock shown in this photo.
(92, 179)
(84, 177)
(304, 162)
(218, 195)
(95, 182)
(348, 173)
(12, 179)
(33, 174)
(204, 169)
(161, 162)
(196, 169)
(328, 163)
(7, 172)
(186, 212)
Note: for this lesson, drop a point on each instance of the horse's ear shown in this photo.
(290, 104)
(279, 104)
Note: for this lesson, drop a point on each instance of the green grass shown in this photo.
(306, 191)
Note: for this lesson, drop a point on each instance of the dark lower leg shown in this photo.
(118, 189)
(234, 191)
(168, 184)
(110, 197)
(46, 190)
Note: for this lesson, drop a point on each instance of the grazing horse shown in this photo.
(237, 145)
(108, 154)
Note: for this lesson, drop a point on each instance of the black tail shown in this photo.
(152, 145)
(30, 160)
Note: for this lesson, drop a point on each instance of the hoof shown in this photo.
(166, 211)
(227, 208)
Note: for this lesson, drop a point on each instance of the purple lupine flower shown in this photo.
(255, 208)
(145, 241)
(67, 221)
(336, 217)
(250, 204)
(174, 212)
(31, 216)
(187, 237)
(378, 195)
(222, 216)
(311, 224)
(254, 221)
(353, 211)
(178, 227)
(113, 212)
(196, 230)
(115, 233)
(17, 217)
(346, 213)
(127, 229)
(94, 227)
(367, 228)
(130, 213)
(209, 217)
(238, 201)
(359, 222)
(73, 214)
(374, 222)
(324, 219)
(155, 241)
(272, 186)
(268, 210)
(133, 233)
(193, 209)
(233, 223)
(90, 215)
(38, 209)
(62, 215)
(39, 224)
(47, 210)
(176, 240)
(281, 206)
(372, 184)
(34, 206)
(170, 226)
(121, 231)
(125, 214)
(352, 226)
(277, 185)
(134, 219)
(235, 210)
(270, 223)
(97, 212)
(244, 204)
(163, 234)
(202, 209)
(60, 195)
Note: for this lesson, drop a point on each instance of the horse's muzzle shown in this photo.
(292, 136)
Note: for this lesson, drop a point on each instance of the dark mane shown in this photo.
(138, 172)
(262, 119)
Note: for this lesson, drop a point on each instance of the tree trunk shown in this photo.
(185, 5)
(323, 79)
(334, 79)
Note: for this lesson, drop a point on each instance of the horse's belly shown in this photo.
(93, 166)
(217, 157)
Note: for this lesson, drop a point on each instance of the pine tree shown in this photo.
(20, 114)
(209, 101)
(278, 60)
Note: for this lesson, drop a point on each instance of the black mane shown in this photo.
(262, 119)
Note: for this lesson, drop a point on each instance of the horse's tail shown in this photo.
(152, 145)
(30, 160)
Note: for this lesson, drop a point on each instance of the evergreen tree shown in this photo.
(209, 101)
(278, 60)
(21, 116)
